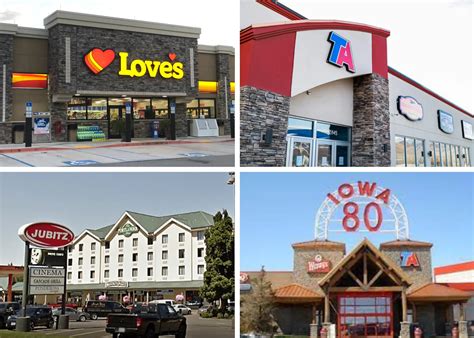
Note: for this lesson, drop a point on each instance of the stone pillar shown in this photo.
(371, 122)
(462, 327)
(58, 112)
(404, 330)
(6, 59)
(262, 110)
(181, 121)
(313, 331)
(223, 87)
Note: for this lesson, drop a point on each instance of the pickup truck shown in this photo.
(149, 321)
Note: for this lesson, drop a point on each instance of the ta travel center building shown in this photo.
(320, 93)
(368, 291)
(83, 73)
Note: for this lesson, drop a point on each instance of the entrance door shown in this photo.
(116, 121)
(300, 150)
(342, 155)
(325, 155)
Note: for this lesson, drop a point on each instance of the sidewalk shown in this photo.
(52, 146)
(189, 151)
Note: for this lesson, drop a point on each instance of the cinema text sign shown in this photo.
(46, 281)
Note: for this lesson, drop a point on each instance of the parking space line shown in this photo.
(87, 333)
(90, 153)
(15, 159)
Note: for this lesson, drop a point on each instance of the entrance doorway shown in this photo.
(365, 315)
(116, 121)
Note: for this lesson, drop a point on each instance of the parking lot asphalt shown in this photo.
(204, 152)
(197, 328)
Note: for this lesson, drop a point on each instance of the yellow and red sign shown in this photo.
(29, 81)
(97, 59)
(211, 87)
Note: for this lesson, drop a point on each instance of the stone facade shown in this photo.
(262, 110)
(371, 122)
(302, 256)
(419, 276)
(181, 121)
(404, 330)
(223, 87)
(6, 58)
(293, 319)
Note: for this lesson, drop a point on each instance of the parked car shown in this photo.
(39, 316)
(205, 308)
(102, 308)
(6, 310)
(194, 304)
(59, 305)
(163, 301)
(73, 314)
(183, 309)
(154, 320)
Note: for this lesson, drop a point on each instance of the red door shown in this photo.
(365, 315)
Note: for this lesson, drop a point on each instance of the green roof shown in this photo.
(195, 220)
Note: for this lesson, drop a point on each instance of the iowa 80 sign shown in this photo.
(361, 206)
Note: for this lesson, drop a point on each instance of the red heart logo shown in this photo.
(97, 59)
(172, 56)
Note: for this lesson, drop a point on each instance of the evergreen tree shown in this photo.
(256, 314)
(219, 275)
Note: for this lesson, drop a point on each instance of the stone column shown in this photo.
(371, 122)
(262, 111)
(6, 62)
(404, 330)
(462, 327)
(313, 331)
(58, 112)
(223, 87)
(181, 121)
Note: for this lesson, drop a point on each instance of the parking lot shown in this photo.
(197, 328)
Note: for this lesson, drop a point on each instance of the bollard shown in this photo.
(455, 332)
(418, 332)
(63, 322)
(23, 324)
(324, 332)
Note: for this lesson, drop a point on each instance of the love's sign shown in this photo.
(46, 235)
(97, 60)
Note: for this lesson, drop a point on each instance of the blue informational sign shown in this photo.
(128, 108)
(29, 104)
(29, 108)
(80, 162)
(173, 107)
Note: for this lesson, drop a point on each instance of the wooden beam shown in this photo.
(359, 289)
(404, 304)
(365, 269)
(386, 270)
(374, 279)
(313, 321)
(344, 269)
(354, 277)
(413, 306)
(461, 311)
(326, 308)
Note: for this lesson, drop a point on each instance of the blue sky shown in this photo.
(93, 200)
(278, 209)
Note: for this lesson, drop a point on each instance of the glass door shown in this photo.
(325, 156)
(300, 151)
(342, 155)
(116, 121)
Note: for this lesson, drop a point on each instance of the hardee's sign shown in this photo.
(97, 60)
(318, 265)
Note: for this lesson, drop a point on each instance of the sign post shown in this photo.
(232, 120)
(44, 279)
(28, 124)
(172, 105)
(128, 122)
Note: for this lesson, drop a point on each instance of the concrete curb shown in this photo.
(115, 145)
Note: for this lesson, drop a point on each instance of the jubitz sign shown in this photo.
(46, 235)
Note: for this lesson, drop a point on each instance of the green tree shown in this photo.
(257, 306)
(219, 276)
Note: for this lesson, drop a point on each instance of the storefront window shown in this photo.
(332, 132)
(96, 108)
(437, 154)
(77, 109)
(160, 108)
(400, 151)
(142, 109)
(201, 108)
(420, 153)
(410, 151)
(298, 127)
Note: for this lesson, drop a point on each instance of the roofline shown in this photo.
(84, 232)
(466, 266)
(409, 80)
(281, 9)
(98, 21)
(23, 32)
(169, 221)
(121, 217)
(219, 49)
(257, 32)
(398, 243)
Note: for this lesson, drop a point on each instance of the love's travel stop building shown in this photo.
(367, 291)
(320, 93)
(84, 73)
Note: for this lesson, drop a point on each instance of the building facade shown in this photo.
(141, 256)
(84, 73)
(320, 93)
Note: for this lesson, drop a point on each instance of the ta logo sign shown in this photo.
(340, 53)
